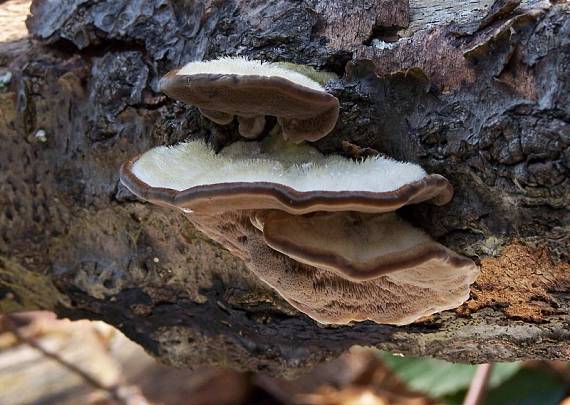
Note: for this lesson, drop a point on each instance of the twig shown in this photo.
(117, 392)
(478, 387)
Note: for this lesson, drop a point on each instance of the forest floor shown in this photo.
(47, 361)
(13, 19)
(107, 364)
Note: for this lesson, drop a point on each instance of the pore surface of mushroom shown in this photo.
(398, 298)
(249, 89)
(331, 299)
(273, 175)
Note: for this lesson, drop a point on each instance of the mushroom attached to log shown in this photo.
(397, 298)
(249, 89)
(272, 174)
(358, 246)
(246, 195)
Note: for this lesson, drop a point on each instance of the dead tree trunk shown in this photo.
(478, 92)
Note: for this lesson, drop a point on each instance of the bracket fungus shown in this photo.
(260, 199)
(359, 246)
(249, 89)
(398, 298)
(272, 174)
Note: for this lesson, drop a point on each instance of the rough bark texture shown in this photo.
(475, 91)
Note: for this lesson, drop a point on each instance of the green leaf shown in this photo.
(438, 378)
(528, 387)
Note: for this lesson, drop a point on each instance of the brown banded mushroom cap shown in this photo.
(359, 246)
(250, 89)
(398, 298)
(270, 175)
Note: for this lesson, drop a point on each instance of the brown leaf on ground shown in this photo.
(355, 395)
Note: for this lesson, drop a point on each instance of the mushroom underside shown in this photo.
(251, 127)
(331, 299)
(398, 298)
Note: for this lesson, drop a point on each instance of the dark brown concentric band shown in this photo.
(177, 86)
(362, 271)
(303, 113)
(264, 195)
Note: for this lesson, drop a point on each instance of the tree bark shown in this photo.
(476, 91)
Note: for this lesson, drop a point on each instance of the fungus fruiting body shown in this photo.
(330, 299)
(249, 89)
(270, 175)
(358, 246)
(320, 230)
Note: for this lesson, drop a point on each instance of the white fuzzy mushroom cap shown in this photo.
(244, 67)
(300, 167)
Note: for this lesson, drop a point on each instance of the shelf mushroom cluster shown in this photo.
(321, 230)
(228, 87)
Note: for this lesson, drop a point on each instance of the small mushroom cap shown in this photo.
(295, 178)
(237, 86)
(356, 246)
